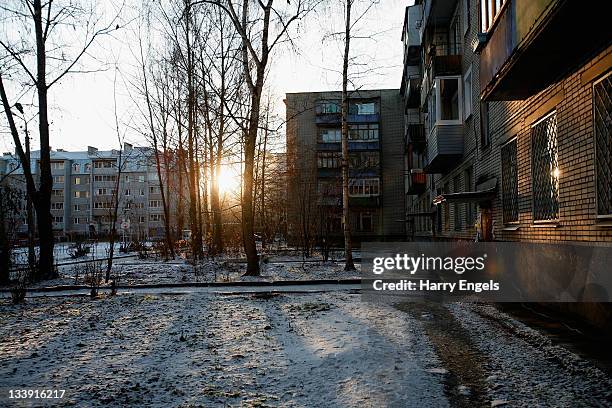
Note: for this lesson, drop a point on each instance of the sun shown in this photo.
(229, 179)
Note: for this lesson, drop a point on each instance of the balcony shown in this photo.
(411, 87)
(534, 44)
(444, 148)
(417, 182)
(353, 146)
(415, 134)
(410, 34)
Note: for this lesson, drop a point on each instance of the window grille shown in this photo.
(509, 182)
(545, 169)
(602, 120)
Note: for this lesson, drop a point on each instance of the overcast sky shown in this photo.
(82, 104)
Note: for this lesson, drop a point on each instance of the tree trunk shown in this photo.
(115, 211)
(348, 244)
(5, 249)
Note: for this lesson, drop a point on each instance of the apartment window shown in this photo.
(445, 105)
(103, 205)
(139, 205)
(104, 164)
(330, 107)
(364, 160)
(154, 190)
(57, 193)
(364, 108)
(456, 212)
(365, 132)
(57, 206)
(142, 192)
(327, 135)
(509, 182)
(489, 11)
(81, 207)
(365, 222)
(467, 94)
(58, 179)
(155, 203)
(57, 165)
(485, 131)
(155, 217)
(58, 219)
(76, 168)
(81, 220)
(141, 179)
(328, 160)
(126, 178)
(128, 192)
(77, 181)
(602, 123)
(105, 178)
(470, 209)
(102, 191)
(88, 167)
(545, 168)
(81, 194)
(141, 219)
(366, 187)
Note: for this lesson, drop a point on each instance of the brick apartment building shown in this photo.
(376, 167)
(508, 120)
(84, 185)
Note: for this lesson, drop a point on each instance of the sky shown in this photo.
(82, 105)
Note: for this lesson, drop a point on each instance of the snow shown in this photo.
(159, 350)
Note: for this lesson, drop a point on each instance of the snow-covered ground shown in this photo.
(305, 350)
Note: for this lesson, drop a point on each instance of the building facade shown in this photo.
(376, 168)
(86, 184)
(508, 121)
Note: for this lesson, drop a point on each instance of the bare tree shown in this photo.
(52, 62)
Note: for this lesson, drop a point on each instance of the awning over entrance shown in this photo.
(485, 192)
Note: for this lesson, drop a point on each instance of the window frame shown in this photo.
(504, 220)
(534, 125)
(598, 216)
(438, 121)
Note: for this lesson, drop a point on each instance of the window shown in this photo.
(364, 160)
(142, 192)
(81, 194)
(449, 99)
(509, 182)
(57, 206)
(366, 132)
(57, 193)
(77, 181)
(57, 165)
(545, 169)
(76, 168)
(456, 212)
(155, 217)
(103, 164)
(330, 107)
(602, 123)
(155, 203)
(485, 131)
(126, 178)
(128, 192)
(365, 222)
(88, 167)
(445, 105)
(105, 178)
(81, 220)
(364, 187)
(470, 209)
(329, 160)
(365, 108)
(58, 179)
(141, 219)
(327, 135)
(58, 219)
(154, 190)
(81, 207)
(489, 10)
(141, 179)
(139, 205)
(103, 205)
(102, 191)
(467, 94)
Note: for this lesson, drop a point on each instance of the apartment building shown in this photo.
(84, 190)
(376, 168)
(508, 117)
